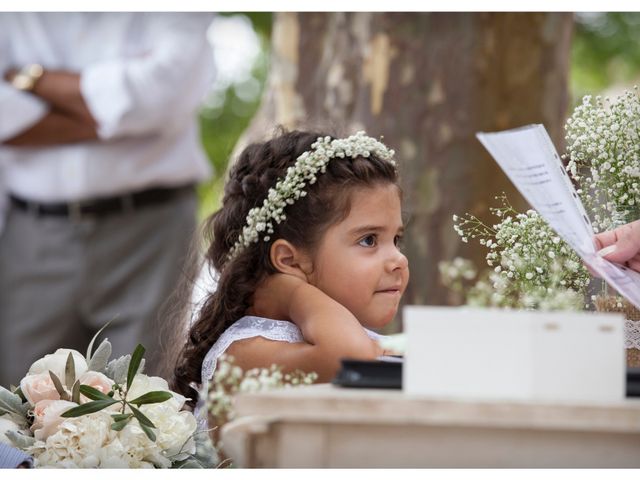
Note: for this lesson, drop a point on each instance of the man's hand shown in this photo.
(69, 120)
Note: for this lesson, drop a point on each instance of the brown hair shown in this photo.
(257, 169)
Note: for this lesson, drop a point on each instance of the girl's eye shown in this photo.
(398, 240)
(368, 241)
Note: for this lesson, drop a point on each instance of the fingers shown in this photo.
(627, 244)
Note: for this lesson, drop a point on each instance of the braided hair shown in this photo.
(257, 169)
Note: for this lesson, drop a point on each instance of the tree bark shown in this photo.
(427, 82)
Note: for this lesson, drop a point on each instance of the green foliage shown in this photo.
(222, 125)
(604, 51)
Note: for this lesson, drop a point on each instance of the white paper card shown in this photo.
(529, 159)
(514, 355)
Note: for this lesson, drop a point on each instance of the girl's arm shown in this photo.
(330, 330)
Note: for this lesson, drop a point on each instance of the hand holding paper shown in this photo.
(529, 159)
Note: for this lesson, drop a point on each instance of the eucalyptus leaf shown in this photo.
(100, 358)
(58, 384)
(151, 397)
(20, 440)
(87, 408)
(70, 372)
(94, 393)
(136, 358)
(11, 403)
(90, 347)
(141, 417)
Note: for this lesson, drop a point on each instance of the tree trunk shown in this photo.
(427, 82)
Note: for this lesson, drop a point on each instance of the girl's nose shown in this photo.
(397, 261)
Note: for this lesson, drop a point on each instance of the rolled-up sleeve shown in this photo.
(155, 92)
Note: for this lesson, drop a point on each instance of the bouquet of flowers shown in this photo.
(530, 266)
(603, 149)
(81, 411)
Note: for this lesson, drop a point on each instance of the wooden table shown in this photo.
(327, 426)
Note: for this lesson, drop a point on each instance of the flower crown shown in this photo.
(306, 169)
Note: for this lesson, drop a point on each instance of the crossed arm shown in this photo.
(69, 119)
(331, 332)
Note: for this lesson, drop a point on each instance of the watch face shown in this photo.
(22, 82)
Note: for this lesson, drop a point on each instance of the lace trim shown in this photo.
(632, 334)
(247, 327)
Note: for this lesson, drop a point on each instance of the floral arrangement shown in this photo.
(603, 152)
(81, 411)
(231, 380)
(529, 265)
(306, 169)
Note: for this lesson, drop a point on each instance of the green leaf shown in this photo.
(117, 426)
(150, 433)
(151, 397)
(87, 408)
(94, 339)
(58, 384)
(118, 417)
(93, 393)
(70, 371)
(136, 358)
(75, 392)
(141, 417)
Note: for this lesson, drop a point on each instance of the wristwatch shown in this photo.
(27, 78)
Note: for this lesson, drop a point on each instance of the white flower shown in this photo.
(175, 429)
(57, 361)
(47, 417)
(144, 384)
(39, 387)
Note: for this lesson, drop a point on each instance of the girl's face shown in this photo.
(358, 262)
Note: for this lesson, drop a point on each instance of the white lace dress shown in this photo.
(247, 327)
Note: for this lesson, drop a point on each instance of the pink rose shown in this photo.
(96, 380)
(47, 417)
(39, 387)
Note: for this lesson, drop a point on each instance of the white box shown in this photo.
(514, 354)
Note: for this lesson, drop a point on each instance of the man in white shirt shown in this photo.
(100, 143)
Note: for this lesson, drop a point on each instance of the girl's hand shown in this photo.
(272, 298)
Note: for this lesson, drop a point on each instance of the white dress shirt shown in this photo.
(143, 76)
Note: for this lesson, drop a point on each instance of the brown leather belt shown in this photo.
(102, 206)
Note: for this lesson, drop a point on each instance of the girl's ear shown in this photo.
(288, 259)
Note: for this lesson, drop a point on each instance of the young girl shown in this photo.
(306, 248)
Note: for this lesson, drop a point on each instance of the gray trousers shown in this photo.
(61, 280)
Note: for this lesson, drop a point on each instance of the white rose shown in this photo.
(96, 380)
(47, 417)
(7, 425)
(174, 429)
(39, 387)
(57, 361)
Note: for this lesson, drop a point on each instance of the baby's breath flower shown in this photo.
(603, 150)
(534, 267)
